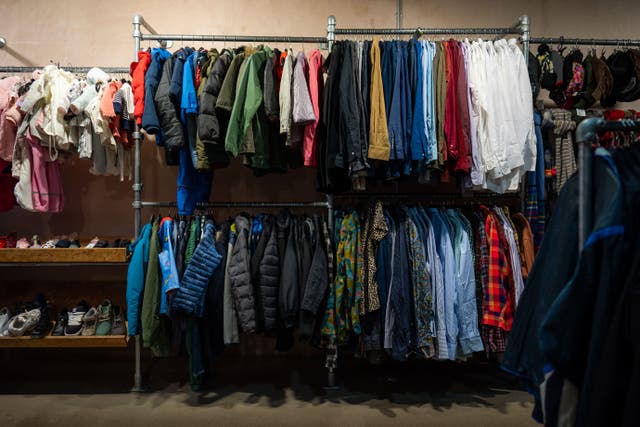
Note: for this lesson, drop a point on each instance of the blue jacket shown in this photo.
(189, 107)
(170, 279)
(418, 131)
(190, 298)
(175, 88)
(135, 278)
(400, 297)
(150, 120)
(388, 73)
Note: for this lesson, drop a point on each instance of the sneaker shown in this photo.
(35, 242)
(4, 332)
(105, 318)
(92, 243)
(23, 243)
(24, 323)
(44, 324)
(119, 327)
(61, 323)
(89, 322)
(5, 316)
(74, 324)
(50, 244)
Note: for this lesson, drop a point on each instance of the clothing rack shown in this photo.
(318, 204)
(586, 135)
(521, 27)
(581, 41)
(114, 70)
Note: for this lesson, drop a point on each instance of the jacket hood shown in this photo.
(242, 223)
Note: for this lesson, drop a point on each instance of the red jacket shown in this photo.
(138, 70)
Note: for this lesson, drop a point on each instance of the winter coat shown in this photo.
(316, 86)
(190, 298)
(138, 83)
(210, 129)
(269, 279)
(271, 87)
(316, 285)
(289, 293)
(167, 111)
(240, 275)
(150, 119)
(135, 278)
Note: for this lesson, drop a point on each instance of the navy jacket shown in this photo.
(150, 119)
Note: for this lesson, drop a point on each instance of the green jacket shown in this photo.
(155, 328)
(248, 131)
(228, 90)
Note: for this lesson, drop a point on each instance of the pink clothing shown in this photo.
(46, 179)
(6, 88)
(316, 84)
(106, 102)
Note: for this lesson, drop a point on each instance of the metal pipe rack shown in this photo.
(17, 70)
(585, 42)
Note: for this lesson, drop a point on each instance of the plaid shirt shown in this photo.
(497, 307)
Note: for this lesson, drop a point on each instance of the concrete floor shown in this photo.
(257, 391)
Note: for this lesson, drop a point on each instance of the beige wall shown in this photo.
(86, 33)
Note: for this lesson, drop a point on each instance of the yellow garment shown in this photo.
(379, 146)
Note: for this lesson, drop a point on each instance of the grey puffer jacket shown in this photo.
(289, 293)
(269, 281)
(169, 117)
(209, 129)
(240, 275)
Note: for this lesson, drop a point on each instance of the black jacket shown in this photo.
(211, 129)
(269, 278)
(289, 294)
(169, 117)
(240, 276)
(316, 285)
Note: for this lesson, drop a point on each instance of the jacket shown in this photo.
(240, 276)
(135, 279)
(229, 314)
(271, 87)
(316, 87)
(302, 109)
(418, 142)
(269, 279)
(167, 111)
(352, 115)
(170, 278)
(150, 119)
(175, 85)
(289, 293)
(190, 298)
(317, 284)
(247, 119)
(189, 106)
(154, 326)
(203, 70)
(379, 147)
(211, 129)
(138, 75)
(525, 241)
(440, 84)
(227, 94)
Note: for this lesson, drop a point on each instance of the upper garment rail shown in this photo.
(225, 38)
(587, 42)
(426, 31)
(70, 69)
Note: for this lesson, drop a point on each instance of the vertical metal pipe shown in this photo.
(585, 135)
(331, 31)
(525, 28)
(137, 198)
(398, 14)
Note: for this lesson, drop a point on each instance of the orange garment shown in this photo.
(137, 71)
(525, 241)
(106, 102)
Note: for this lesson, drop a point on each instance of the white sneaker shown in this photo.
(5, 315)
(4, 332)
(74, 325)
(89, 322)
(23, 323)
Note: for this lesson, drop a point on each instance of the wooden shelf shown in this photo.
(65, 342)
(63, 256)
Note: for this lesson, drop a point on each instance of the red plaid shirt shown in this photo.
(497, 307)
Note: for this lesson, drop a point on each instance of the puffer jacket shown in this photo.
(190, 297)
(240, 275)
(167, 112)
(150, 120)
(211, 129)
(269, 280)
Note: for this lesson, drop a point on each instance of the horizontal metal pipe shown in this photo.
(586, 42)
(224, 38)
(319, 204)
(424, 31)
(70, 69)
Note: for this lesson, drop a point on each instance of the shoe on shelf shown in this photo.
(105, 318)
(50, 244)
(75, 244)
(102, 244)
(23, 323)
(119, 327)
(63, 243)
(74, 324)
(12, 239)
(89, 322)
(5, 316)
(43, 327)
(4, 332)
(61, 323)
(92, 243)
(35, 242)
(23, 243)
